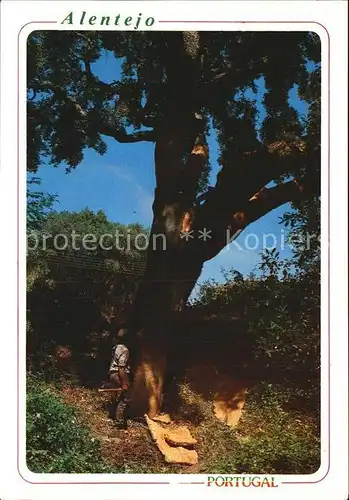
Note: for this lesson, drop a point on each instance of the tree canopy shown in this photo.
(164, 73)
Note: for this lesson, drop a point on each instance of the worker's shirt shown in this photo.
(120, 358)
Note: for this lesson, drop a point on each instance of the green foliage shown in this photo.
(304, 226)
(66, 234)
(281, 310)
(39, 204)
(280, 303)
(75, 296)
(267, 440)
(70, 108)
(285, 440)
(56, 441)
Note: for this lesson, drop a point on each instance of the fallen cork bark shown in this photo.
(163, 418)
(229, 393)
(228, 405)
(179, 436)
(173, 454)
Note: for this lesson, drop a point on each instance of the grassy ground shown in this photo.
(269, 438)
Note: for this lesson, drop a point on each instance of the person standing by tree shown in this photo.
(119, 376)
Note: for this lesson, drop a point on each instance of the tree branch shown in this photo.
(59, 92)
(236, 184)
(121, 136)
(230, 226)
(118, 133)
(266, 200)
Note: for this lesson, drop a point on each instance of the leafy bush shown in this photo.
(281, 311)
(275, 440)
(56, 442)
(280, 305)
(267, 440)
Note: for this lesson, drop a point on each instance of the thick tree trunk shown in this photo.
(172, 269)
(166, 287)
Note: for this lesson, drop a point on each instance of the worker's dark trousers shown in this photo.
(119, 399)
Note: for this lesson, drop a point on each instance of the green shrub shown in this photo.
(267, 440)
(273, 440)
(281, 311)
(56, 442)
(286, 451)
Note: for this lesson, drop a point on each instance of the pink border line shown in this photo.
(328, 239)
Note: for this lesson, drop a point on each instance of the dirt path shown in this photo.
(133, 446)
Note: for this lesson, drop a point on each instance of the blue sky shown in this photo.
(122, 182)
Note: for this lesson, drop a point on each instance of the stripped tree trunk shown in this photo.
(171, 272)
